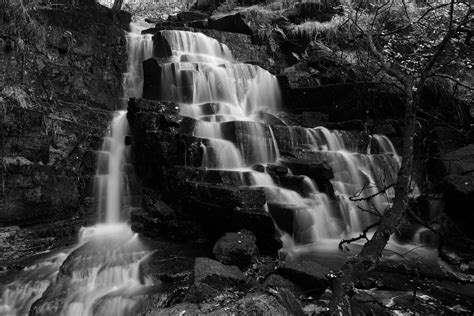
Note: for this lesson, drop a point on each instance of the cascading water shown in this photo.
(101, 274)
(226, 100)
(224, 103)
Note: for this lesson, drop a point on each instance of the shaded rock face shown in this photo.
(57, 93)
(211, 277)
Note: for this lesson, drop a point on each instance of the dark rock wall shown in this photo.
(59, 87)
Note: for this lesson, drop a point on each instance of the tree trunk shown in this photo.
(390, 222)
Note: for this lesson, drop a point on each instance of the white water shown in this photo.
(101, 274)
(225, 98)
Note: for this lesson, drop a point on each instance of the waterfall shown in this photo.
(226, 100)
(101, 274)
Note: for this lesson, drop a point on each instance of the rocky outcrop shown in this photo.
(58, 90)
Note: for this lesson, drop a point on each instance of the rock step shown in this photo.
(224, 208)
(294, 220)
(225, 195)
(246, 177)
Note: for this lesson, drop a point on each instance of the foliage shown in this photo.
(312, 29)
(152, 9)
(17, 24)
(227, 6)
(407, 35)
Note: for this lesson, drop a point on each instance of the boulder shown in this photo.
(216, 274)
(275, 281)
(234, 23)
(261, 224)
(305, 273)
(238, 249)
(277, 169)
(258, 168)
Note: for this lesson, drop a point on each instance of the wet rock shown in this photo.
(238, 249)
(161, 47)
(277, 170)
(172, 262)
(316, 171)
(295, 220)
(307, 274)
(216, 274)
(270, 119)
(283, 216)
(275, 281)
(258, 221)
(258, 167)
(151, 79)
(226, 196)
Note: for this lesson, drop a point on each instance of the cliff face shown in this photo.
(61, 71)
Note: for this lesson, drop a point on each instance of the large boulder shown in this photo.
(236, 248)
(306, 273)
(234, 23)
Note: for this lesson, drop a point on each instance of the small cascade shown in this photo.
(101, 274)
(111, 179)
(228, 103)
